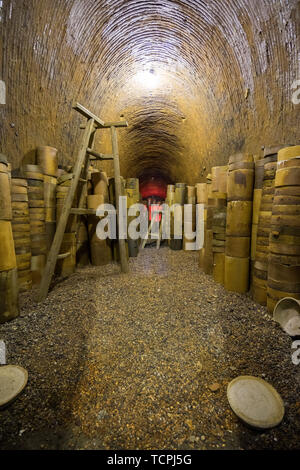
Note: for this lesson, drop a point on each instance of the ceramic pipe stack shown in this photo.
(177, 216)
(219, 214)
(35, 180)
(240, 182)
(284, 238)
(48, 161)
(190, 218)
(21, 231)
(132, 189)
(9, 290)
(66, 266)
(260, 270)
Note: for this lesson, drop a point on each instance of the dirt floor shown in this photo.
(128, 362)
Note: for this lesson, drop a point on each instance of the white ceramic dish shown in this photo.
(255, 401)
(13, 380)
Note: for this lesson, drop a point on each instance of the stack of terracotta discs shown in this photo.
(201, 197)
(284, 257)
(35, 180)
(9, 289)
(62, 189)
(239, 222)
(218, 202)
(104, 187)
(50, 208)
(189, 218)
(82, 238)
(100, 184)
(48, 162)
(260, 270)
(66, 266)
(82, 244)
(219, 240)
(219, 179)
(114, 244)
(101, 252)
(170, 200)
(257, 194)
(21, 231)
(133, 196)
(177, 217)
(208, 259)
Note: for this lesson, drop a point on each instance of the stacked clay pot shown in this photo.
(240, 182)
(284, 239)
(219, 192)
(260, 270)
(201, 195)
(9, 290)
(66, 266)
(35, 180)
(101, 252)
(48, 162)
(21, 231)
(82, 244)
(177, 216)
(170, 200)
(208, 258)
(114, 244)
(133, 197)
(189, 218)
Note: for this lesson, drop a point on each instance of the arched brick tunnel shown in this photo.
(142, 360)
(196, 80)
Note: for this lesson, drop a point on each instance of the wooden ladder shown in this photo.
(85, 155)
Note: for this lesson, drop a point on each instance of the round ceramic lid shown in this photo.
(13, 379)
(255, 401)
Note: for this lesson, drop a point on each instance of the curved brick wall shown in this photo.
(224, 69)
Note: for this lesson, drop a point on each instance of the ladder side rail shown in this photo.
(121, 242)
(60, 230)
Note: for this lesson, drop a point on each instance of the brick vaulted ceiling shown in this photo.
(196, 79)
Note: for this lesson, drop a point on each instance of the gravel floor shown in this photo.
(128, 362)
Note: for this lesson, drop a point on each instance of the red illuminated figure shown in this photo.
(154, 206)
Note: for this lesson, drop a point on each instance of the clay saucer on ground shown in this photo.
(13, 380)
(287, 314)
(255, 401)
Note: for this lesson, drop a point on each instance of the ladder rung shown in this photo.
(99, 156)
(116, 124)
(64, 255)
(82, 211)
(82, 180)
(107, 125)
(83, 126)
(86, 113)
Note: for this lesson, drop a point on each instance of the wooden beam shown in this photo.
(86, 113)
(83, 126)
(116, 124)
(122, 247)
(99, 156)
(64, 255)
(84, 211)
